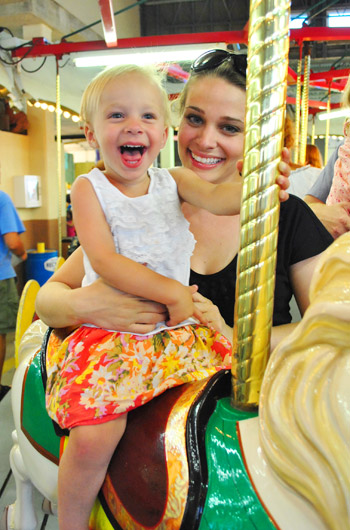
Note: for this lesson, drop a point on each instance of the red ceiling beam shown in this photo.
(330, 75)
(40, 49)
(314, 104)
(319, 34)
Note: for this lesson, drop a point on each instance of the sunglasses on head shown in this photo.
(214, 58)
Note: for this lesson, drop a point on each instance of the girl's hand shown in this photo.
(283, 178)
(183, 307)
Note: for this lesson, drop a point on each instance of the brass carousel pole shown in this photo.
(313, 129)
(59, 156)
(326, 140)
(265, 110)
(295, 152)
(305, 105)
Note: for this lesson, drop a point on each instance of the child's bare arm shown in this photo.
(224, 198)
(219, 199)
(121, 272)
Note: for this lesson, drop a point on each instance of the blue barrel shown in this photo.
(40, 266)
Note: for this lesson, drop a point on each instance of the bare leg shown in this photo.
(82, 469)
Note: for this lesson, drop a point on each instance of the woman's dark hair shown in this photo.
(225, 71)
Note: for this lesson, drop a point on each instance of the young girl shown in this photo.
(340, 189)
(134, 235)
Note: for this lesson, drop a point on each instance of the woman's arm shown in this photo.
(62, 303)
(335, 217)
(300, 277)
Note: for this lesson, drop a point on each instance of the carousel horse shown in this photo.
(188, 460)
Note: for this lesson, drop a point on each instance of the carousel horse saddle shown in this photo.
(158, 475)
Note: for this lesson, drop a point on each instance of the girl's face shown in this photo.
(128, 128)
(211, 132)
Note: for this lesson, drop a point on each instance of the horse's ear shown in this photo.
(26, 313)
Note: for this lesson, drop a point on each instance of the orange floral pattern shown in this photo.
(96, 375)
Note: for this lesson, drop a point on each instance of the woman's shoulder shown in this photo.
(297, 216)
(294, 204)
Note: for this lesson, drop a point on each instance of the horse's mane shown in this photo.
(304, 407)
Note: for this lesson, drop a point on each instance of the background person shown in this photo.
(313, 156)
(10, 243)
(334, 214)
(340, 189)
(334, 217)
(302, 178)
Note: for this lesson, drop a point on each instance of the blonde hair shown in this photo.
(313, 156)
(92, 93)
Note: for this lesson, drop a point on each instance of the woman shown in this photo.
(210, 140)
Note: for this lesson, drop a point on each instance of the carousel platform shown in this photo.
(7, 483)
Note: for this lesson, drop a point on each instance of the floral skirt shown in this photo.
(95, 375)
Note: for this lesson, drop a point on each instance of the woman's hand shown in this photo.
(58, 305)
(283, 178)
(110, 308)
(284, 172)
(211, 316)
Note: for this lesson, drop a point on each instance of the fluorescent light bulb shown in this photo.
(338, 113)
(143, 56)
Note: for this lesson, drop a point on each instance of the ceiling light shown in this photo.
(337, 113)
(143, 56)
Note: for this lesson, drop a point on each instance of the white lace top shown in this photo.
(150, 229)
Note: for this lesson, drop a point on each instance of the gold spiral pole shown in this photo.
(295, 152)
(326, 141)
(59, 156)
(265, 110)
(305, 107)
(313, 129)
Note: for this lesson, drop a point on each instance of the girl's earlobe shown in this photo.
(90, 136)
(166, 134)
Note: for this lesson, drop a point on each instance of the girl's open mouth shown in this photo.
(132, 154)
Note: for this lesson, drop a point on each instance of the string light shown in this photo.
(333, 137)
(47, 105)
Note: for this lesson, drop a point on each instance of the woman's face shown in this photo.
(211, 132)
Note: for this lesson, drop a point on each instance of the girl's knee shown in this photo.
(93, 442)
(84, 445)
